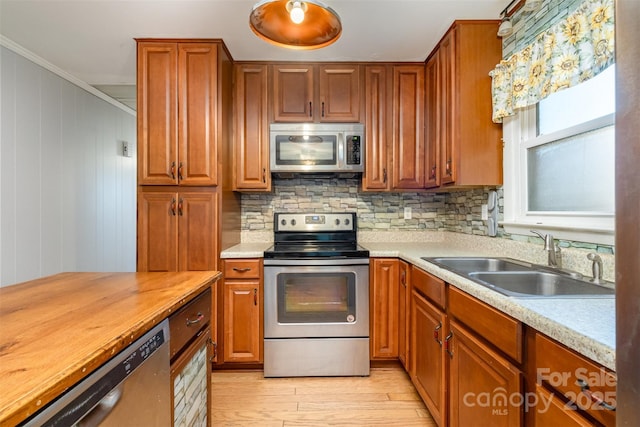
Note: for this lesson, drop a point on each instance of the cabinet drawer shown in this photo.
(429, 286)
(242, 269)
(562, 369)
(185, 324)
(551, 411)
(494, 326)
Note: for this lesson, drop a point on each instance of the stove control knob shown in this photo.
(283, 222)
(337, 221)
(346, 221)
(293, 222)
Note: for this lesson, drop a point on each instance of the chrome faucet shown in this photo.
(596, 267)
(553, 250)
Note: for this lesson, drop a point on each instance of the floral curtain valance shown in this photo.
(570, 52)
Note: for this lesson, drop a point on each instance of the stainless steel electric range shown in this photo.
(316, 297)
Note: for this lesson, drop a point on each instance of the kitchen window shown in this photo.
(559, 163)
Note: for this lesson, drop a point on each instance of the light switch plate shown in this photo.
(407, 213)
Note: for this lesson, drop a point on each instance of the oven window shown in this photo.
(306, 150)
(316, 297)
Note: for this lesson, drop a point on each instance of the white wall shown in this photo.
(68, 195)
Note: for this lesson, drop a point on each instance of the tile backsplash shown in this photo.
(458, 211)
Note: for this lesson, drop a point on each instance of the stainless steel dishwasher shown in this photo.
(131, 389)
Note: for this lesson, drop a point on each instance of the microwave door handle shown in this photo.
(341, 143)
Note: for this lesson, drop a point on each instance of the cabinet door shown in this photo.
(433, 106)
(158, 231)
(242, 315)
(191, 384)
(339, 93)
(376, 127)
(198, 92)
(408, 127)
(484, 387)
(404, 311)
(293, 93)
(448, 108)
(428, 364)
(157, 109)
(197, 243)
(384, 308)
(252, 129)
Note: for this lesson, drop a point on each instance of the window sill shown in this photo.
(602, 236)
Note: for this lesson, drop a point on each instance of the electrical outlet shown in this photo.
(485, 212)
(125, 149)
(407, 213)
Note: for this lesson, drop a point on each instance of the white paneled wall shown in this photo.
(68, 195)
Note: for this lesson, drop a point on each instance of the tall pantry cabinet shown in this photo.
(187, 211)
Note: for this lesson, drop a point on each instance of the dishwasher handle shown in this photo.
(102, 409)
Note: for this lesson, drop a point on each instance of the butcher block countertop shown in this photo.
(56, 330)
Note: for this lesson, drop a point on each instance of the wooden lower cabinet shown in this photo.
(177, 230)
(383, 300)
(404, 313)
(583, 392)
(243, 311)
(428, 359)
(191, 383)
(484, 388)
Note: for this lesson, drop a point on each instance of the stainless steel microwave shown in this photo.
(317, 147)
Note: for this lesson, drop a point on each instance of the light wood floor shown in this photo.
(385, 398)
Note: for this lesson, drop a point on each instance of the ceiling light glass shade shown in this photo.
(272, 21)
(531, 5)
(505, 29)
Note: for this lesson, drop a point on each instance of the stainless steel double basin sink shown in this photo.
(521, 279)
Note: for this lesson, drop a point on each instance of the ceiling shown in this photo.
(93, 40)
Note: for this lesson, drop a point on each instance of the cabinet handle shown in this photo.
(446, 344)
(172, 169)
(180, 177)
(322, 108)
(584, 389)
(198, 319)
(264, 175)
(310, 109)
(436, 334)
(180, 206)
(433, 173)
(215, 349)
(255, 296)
(448, 167)
(173, 206)
(241, 270)
(384, 175)
(403, 278)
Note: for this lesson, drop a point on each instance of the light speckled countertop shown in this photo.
(586, 325)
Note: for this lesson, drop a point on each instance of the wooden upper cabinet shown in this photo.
(157, 111)
(339, 93)
(377, 85)
(177, 92)
(251, 155)
(433, 102)
(316, 93)
(408, 127)
(460, 133)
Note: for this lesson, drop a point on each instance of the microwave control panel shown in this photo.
(354, 149)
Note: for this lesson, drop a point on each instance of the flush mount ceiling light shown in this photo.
(295, 24)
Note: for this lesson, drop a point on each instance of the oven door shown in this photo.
(307, 301)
